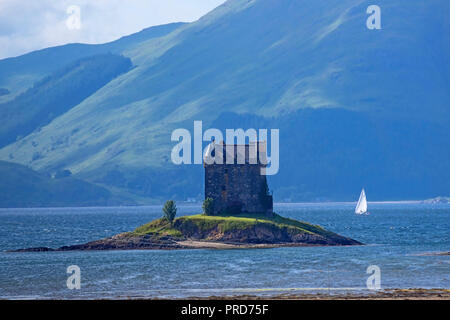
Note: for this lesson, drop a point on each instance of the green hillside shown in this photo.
(23, 187)
(19, 73)
(58, 93)
(355, 107)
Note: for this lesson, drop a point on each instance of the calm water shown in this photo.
(395, 236)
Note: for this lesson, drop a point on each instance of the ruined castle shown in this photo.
(235, 179)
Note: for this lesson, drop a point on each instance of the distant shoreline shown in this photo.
(351, 202)
(195, 204)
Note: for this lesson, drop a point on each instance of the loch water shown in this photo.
(398, 238)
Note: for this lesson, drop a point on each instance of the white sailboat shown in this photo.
(361, 206)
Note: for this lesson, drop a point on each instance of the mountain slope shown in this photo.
(23, 187)
(330, 154)
(19, 73)
(58, 93)
(272, 59)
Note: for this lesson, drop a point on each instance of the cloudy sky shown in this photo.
(27, 25)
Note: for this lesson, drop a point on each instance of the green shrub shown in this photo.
(208, 206)
(170, 210)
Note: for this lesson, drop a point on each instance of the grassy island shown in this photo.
(226, 224)
(221, 232)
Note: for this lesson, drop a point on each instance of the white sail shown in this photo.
(361, 206)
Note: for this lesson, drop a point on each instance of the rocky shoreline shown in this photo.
(386, 294)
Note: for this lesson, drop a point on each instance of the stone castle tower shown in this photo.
(234, 178)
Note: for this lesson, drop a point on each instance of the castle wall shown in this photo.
(237, 188)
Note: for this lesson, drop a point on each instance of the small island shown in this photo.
(237, 213)
(215, 232)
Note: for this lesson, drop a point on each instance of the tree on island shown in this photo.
(208, 206)
(170, 211)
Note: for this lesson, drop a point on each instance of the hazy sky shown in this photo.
(27, 25)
